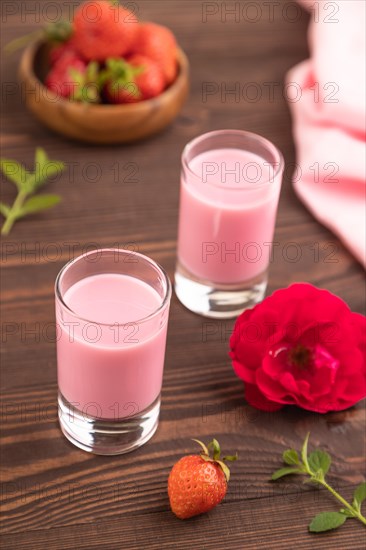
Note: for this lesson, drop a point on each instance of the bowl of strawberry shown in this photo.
(105, 77)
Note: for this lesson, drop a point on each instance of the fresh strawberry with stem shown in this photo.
(60, 79)
(158, 43)
(120, 81)
(103, 29)
(134, 80)
(197, 483)
(72, 78)
(89, 84)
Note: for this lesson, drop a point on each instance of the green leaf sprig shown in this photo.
(316, 466)
(27, 184)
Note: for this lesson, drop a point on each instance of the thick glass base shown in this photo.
(107, 437)
(218, 301)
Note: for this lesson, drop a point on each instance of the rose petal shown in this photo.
(335, 376)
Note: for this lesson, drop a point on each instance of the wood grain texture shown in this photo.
(55, 496)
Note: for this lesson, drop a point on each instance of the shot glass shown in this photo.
(230, 186)
(112, 309)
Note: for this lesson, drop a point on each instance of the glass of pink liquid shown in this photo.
(230, 186)
(112, 309)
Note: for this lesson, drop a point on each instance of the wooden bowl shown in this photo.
(98, 123)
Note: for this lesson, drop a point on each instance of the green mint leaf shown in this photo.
(49, 169)
(40, 174)
(27, 184)
(317, 476)
(291, 457)
(15, 172)
(41, 157)
(304, 452)
(284, 472)
(4, 209)
(37, 204)
(319, 460)
(346, 512)
(326, 521)
(359, 495)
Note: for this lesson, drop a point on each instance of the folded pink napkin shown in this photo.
(328, 107)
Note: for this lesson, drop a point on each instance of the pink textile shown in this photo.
(329, 118)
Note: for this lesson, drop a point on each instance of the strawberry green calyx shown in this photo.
(122, 75)
(216, 453)
(59, 31)
(88, 84)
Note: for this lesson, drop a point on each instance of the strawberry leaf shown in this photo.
(204, 448)
(225, 469)
(214, 445)
(231, 458)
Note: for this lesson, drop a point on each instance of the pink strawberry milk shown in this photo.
(223, 237)
(112, 324)
(107, 368)
(230, 186)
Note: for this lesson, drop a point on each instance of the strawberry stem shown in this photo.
(215, 446)
(205, 450)
(54, 32)
(23, 41)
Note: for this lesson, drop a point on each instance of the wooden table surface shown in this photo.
(58, 497)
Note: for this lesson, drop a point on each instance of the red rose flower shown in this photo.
(301, 346)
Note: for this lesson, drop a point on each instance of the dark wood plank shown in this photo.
(52, 494)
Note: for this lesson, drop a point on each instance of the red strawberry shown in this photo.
(133, 81)
(197, 483)
(102, 30)
(159, 44)
(61, 79)
(60, 49)
(150, 81)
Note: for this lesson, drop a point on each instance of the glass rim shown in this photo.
(243, 133)
(66, 267)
